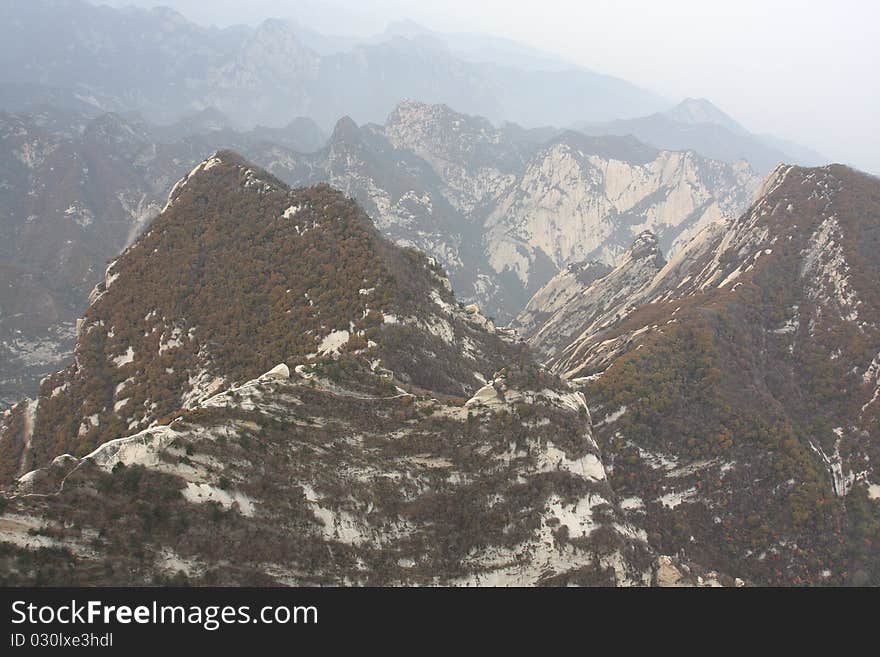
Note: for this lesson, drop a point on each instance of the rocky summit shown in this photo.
(75, 190)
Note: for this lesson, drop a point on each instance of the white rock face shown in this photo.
(572, 315)
(572, 205)
(826, 272)
(333, 342)
(125, 358)
(453, 145)
(356, 519)
(203, 493)
(800, 246)
(279, 372)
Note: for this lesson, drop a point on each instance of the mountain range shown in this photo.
(155, 63)
(75, 191)
(279, 307)
(323, 395)
(696, 124)
(501, 209)
(159, 64)
(357, 459)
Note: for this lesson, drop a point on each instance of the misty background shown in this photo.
(778, 67)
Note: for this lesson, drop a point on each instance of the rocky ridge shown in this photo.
(734, 392)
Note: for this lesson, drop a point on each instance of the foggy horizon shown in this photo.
(775, 69)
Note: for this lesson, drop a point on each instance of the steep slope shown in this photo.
(71, 197)
(398, 438)
(168, 334)
(434, 179)
(736, 396)
(427, 177)
(584, 306)
(474, 159)
(67, 197)
(561, 290)
(75, 190)
(36, 331)
(310, 481)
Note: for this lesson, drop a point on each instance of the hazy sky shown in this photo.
(804, 70)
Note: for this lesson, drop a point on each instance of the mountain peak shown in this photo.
(625, 148)
(695, 111)
(345, 131)
(277, 26)
(646, 245)
(439, 117)
(773, 179)
(240, 273)
(759, 324)
(220, 171)
(409, 110)
(577, 303)
(406, 28)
